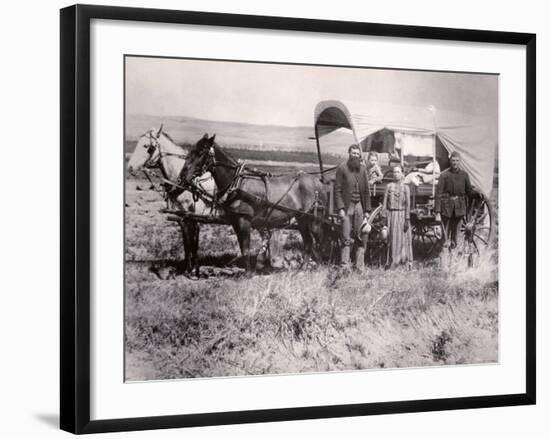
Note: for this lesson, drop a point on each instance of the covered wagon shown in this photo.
(420, 139)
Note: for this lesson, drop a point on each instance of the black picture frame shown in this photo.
(75, 217)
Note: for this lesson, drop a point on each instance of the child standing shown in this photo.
(374, 172)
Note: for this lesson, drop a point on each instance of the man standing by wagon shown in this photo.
(451, 199)
(352, 202)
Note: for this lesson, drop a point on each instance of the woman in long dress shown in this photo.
(397, 206)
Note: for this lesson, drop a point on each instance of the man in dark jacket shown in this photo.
(453, 190)
(352, 202)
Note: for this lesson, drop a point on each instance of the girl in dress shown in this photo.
(397, 206)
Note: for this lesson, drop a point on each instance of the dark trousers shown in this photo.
(352, 235)
(452, 226)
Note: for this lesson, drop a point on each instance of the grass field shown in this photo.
(307, 321)
(439, 313)
(264, 155)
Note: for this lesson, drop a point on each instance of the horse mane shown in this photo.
(226, 154)
(169, 137)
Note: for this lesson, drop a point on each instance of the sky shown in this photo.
(282, 94)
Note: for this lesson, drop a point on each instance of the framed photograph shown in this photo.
(275, 218)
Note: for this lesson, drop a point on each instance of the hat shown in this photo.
(365, 227)
(454, 154)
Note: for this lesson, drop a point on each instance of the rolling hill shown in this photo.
(185, 129)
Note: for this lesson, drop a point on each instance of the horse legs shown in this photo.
(190, 235)
(305, 230)
(195, 247)
(264, 256)
(186, 246)
(317, 233)
(242, 229)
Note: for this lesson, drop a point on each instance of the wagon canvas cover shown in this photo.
(474, 137)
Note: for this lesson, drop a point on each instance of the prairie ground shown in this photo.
(439, 313)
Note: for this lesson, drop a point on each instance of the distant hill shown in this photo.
(185, 129)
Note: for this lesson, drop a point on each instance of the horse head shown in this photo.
(200, 158)
(147, 151)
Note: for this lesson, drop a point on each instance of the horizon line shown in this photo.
(219, 120)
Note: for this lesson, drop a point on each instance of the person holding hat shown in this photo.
(397, 209)
(352, 202)
(450, 198)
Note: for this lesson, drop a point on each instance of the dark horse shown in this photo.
(253, 199)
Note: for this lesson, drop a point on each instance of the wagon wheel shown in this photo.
(377, 243)
(476, 229)
(427, 237)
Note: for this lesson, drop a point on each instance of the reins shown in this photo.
(242, 172)
(194, 187)
(221, 197)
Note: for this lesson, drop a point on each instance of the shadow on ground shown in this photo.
(49, 419)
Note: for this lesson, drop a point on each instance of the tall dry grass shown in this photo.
(441, 312)
(310, 321)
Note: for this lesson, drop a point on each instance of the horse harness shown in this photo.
(170, 186)
(233, 190)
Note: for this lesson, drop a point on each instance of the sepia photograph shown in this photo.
(296, 218)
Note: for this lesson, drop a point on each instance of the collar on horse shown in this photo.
(233, 189)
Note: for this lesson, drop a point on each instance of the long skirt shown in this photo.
(400, 242)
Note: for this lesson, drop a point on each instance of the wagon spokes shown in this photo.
(477, 226)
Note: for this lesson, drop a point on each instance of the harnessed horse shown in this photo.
(156, 149)
(255, 199)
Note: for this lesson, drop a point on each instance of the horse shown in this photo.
(156, 149)
(254, 199)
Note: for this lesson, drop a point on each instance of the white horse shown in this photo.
(156, 149)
